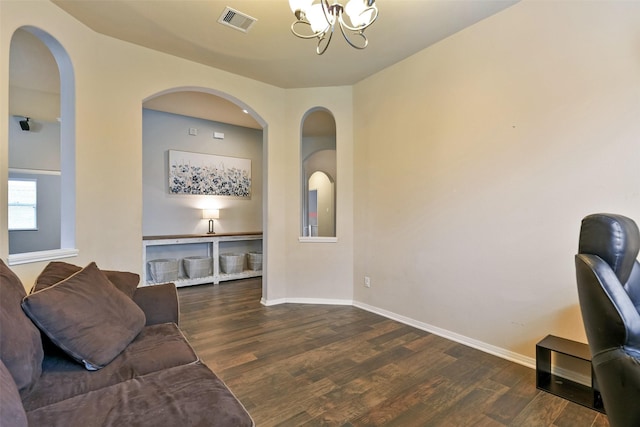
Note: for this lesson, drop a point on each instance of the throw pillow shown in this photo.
(57, 271)
(86, 316)
(53, 273)
(123, 280)
(20, 341)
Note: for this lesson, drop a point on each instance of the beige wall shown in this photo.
(476, 159)
(113, 78)
(320, 268)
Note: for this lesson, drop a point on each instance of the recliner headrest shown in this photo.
(614, 238)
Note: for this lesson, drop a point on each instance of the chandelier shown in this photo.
(322, 17)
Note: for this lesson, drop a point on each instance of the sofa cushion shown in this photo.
(57, 271)
(159, 302)
(20, 341)
(156, 348)
(126, 281)
(86, 316)
(11, 409)
(188, 395)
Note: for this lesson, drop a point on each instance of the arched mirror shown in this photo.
(319, 174)
(41, 190)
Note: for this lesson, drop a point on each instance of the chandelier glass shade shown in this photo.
(322, 17)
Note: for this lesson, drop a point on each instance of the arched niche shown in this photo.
(318, 167)
(42, 88)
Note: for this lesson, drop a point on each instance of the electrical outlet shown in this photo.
(367, 282)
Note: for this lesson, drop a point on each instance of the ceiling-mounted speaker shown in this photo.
(24, 124)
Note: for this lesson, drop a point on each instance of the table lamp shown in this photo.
(211, 214)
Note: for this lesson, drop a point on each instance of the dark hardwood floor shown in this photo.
(312, 365)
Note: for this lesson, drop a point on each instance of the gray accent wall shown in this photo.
(165, 213)
(38, 148)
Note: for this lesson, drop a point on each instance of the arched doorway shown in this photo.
(201, 122)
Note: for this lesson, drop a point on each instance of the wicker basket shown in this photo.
(254, 261)
(197, 266)
(231, 263)
(163, 270)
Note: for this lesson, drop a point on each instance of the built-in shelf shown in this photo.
(552, 383)
(210, 245)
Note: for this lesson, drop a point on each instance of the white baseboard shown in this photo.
(270, 302)
(470, 342)
(319, 301)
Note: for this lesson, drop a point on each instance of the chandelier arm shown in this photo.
(357, 33)
(321, 50)
(304, 36)
(326, 9)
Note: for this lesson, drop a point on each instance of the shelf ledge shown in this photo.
(39, 256)
(318, 239)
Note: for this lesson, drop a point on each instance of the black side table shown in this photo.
(560, 386)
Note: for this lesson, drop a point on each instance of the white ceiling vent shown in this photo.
(237, 20)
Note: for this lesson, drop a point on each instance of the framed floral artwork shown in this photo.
(209, 174)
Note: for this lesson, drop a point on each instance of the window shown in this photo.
(23, 204)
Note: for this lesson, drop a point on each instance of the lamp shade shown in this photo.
(210, 213)
(317, 18)
(356, 11)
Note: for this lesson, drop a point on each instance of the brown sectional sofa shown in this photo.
(64, 373)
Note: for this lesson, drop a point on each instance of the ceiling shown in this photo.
(269, 52)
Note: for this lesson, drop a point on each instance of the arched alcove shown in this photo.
(42, 151)
(318, 167)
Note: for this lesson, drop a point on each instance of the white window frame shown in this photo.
(18, 204)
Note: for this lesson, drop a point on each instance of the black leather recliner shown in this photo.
(608, 276)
